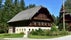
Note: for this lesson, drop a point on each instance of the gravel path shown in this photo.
(60, 38)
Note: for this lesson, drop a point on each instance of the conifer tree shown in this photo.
(22, 4)
(68, 6)
(0, 4)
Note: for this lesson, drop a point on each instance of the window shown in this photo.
(29, 29)
(42, 23)
(45, 24)
(24, 29)
(49, 24)
(16, 29)
(35, 23)
(19, 29)
(32, 23)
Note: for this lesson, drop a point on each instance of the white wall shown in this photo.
(24, 29)
(10, 30)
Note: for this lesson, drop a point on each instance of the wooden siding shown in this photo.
(41, 16)
(67, 20)
(46, 21)
(40, 24)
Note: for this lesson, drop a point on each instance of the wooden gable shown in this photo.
(43, 14)
(42, 18)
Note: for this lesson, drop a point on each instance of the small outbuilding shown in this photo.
(67, 18)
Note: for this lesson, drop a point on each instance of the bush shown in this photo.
(33, 32)
(21, 32)
(53, 28)
(37, 32)
(47, 32)
(53, 32)
(64, 33)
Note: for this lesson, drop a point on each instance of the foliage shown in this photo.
(48, 34)
(68, 5)
(42, 37)
(33, 32)
(8, 10)
(64, 32)
(60, 26)
(22, 33)
(56, 19)
(11, 35)
(36, 32)
(53, 32)
(54, 27)
(31, 6)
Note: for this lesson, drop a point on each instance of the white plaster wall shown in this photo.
(24, 29)
(10, 30)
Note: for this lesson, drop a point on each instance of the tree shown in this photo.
(0, 4)
(55, 19)
(0, 9)
(68, 6)
(22, 5)
(15, 7)
(5, 15)
(9, 10)
(16, 2)
(30, 6)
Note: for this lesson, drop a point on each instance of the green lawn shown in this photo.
(11, 35)
(43, 37)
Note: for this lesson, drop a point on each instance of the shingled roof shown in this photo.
(26, 14)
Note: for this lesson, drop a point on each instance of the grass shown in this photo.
(43, 37)
(11, 35)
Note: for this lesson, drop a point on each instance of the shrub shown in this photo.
(47, 32)
(37, 32)
(33, 32)
(53, 32)
(64, 33)
(21, 32)
(53, 28)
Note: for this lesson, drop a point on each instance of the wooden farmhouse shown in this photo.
(33, 18)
